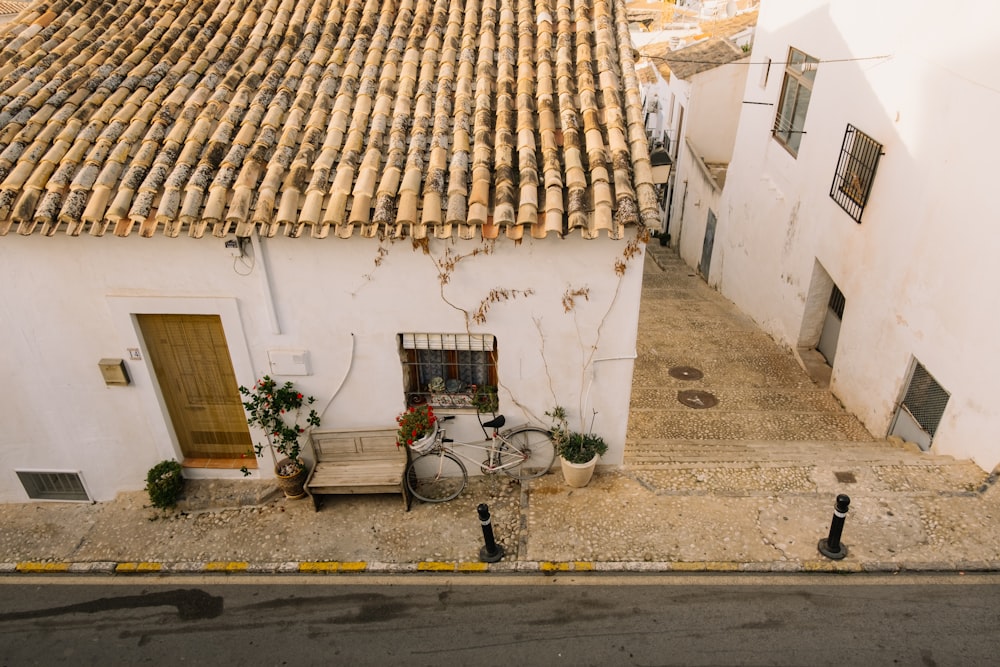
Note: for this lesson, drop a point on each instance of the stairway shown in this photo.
(769, 427)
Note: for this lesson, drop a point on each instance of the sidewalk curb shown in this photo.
(472, 567)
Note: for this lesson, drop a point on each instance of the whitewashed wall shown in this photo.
(714, 95)
(66, 302)
(919, 273)
(694, 195)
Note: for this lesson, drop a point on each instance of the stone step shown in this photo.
(659, 453)
(737, 399)
(204, 495)
(777, 426)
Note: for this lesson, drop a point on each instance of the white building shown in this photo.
(195, 195)
(857, 218)
(706, 80)
(693, 98)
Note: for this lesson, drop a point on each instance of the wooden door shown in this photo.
(193, 368)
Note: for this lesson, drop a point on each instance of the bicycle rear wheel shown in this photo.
(436, 477)
(531, 444)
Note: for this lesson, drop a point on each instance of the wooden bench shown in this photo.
(353, 461)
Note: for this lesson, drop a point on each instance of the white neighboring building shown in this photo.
(857, 217)
(693, 98)
(706, 84)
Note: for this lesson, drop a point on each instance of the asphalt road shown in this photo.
(501, 620)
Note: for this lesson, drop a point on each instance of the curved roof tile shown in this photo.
(381, 117)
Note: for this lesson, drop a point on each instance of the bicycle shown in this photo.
(437, 474)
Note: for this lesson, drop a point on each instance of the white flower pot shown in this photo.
(578, 474)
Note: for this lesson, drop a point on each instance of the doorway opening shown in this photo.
(821, 321)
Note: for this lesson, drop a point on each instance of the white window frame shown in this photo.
(793, 102)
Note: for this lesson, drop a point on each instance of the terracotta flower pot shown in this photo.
(293, 485)
(578, 474)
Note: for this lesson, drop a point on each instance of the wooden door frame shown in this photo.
(123, 312)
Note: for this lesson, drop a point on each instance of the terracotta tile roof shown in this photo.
(657, 53)
(661, 53)
(702, 56)
(729, 26)
(12, 7)
(419, 117)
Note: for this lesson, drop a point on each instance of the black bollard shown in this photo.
(831, 546)
(492, 552)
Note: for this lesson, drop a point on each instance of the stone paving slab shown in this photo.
(566, 524)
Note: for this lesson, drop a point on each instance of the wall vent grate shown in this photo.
(837, 302)
(53, 485)
(925, 399)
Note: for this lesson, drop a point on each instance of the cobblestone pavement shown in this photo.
(745, 485)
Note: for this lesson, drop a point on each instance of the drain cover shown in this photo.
(697, 399)
(685, 373)
(845, 477)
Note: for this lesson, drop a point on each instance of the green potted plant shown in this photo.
(417, 428)
(578, 452)
(276, 410)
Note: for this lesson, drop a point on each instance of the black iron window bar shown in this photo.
(852, 182)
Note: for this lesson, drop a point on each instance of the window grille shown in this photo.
(53, 485)
(447, 370)
(852, 182)
(925, 399)
(837, 302)
(800, 72)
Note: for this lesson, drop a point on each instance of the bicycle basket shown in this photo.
(426, 443)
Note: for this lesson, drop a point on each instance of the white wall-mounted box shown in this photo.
(288, 362)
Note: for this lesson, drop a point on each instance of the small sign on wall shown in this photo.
(288, 362)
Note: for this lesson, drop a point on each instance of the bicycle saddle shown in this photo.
(496, 422)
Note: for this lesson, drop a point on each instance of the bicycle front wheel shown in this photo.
(533, 446)
(436, 477)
